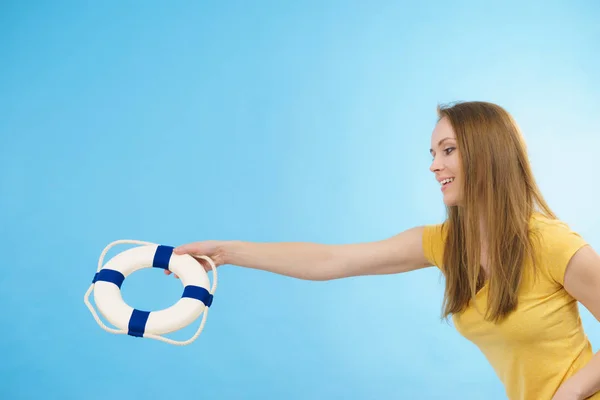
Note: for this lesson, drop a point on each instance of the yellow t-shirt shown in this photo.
(542, 343)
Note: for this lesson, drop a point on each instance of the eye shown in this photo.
(449, 150)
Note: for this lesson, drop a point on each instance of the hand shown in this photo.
(209, 248)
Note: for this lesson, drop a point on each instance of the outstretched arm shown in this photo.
(318, 262)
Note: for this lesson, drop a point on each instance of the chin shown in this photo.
(450, 201)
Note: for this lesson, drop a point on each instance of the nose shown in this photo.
(436, 165)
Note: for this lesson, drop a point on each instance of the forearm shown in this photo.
(586, 382)
(302, 260)
(313, 261)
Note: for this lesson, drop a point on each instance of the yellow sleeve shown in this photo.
(434, 238)
(560, 243)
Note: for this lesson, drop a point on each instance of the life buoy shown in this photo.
(196, 298)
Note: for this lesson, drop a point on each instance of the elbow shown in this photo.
(328, 268)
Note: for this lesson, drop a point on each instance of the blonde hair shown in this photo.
(499, 190)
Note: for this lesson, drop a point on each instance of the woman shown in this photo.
(513, 271)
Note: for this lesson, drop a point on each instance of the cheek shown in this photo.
(454, 165)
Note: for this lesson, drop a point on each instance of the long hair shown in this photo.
(500, 191)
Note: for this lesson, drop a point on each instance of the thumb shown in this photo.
(189, 248)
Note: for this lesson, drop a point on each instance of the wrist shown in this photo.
(224, 252)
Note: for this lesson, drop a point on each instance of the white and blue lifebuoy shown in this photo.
(196, 298)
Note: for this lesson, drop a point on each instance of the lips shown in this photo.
(445, 182)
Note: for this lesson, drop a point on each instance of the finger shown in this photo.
(167, 272)
(205, 264)
(188, 248)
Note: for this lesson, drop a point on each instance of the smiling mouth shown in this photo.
(446, 181)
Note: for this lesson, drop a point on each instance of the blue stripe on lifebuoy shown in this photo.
(109, 275)
(198, 293)
(162, 257)
(137, 323)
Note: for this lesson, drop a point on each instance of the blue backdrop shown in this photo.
(264, 121)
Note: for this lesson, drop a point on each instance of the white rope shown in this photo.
(148, 335)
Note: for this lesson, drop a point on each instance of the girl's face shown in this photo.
(446, 162)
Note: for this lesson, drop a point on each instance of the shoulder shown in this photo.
(554, 235)
(554, 243)
(434, 240)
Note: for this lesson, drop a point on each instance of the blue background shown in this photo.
(264, 121)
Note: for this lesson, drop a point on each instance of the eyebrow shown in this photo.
(441, 141)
